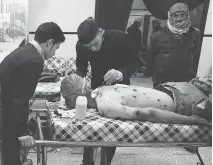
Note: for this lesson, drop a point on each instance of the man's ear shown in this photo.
(50, 43)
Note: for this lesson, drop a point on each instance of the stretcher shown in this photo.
(97, 131)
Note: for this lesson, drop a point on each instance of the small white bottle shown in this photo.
(80, 107)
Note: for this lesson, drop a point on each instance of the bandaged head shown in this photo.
(71, 87)
(179, 25)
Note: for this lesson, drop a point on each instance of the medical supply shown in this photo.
(81, 105)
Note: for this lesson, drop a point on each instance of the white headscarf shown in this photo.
(179, 27)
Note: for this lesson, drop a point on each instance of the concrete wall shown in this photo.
(205, 63)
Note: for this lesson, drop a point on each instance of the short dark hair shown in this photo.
(87, 30)
(49, 30)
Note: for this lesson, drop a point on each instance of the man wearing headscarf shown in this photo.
(173, 51)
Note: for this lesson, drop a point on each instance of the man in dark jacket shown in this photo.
(173, 54)
(19, 74)
(112, 59)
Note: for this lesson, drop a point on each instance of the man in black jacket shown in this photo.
(112, 59)
(173, 52)
(19, 74)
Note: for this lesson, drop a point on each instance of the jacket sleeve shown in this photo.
(129, 54)
(25, 88)
(6, 71)
(196, 39)
(81, 61)
(151, 54)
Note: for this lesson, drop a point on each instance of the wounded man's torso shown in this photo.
(133, 96)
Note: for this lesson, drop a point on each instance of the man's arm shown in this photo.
(6, 71)
(196, 53)
(129, 56)
(81, 61)
(151, 54)
(28, 74)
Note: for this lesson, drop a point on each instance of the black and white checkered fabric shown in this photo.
(59, 65)
(47, 88)
(97, 128)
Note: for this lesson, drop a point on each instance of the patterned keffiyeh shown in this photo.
(175, 26)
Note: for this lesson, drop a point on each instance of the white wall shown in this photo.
(205, 63)
(68, 14)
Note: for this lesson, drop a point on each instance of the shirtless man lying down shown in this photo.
(177, 103)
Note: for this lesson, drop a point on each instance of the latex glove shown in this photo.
(113, 76)
(26, 141)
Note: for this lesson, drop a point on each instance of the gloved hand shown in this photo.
(113, 76)
(26, 141)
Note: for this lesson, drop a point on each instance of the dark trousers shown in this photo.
(10, 150)
(88, 155)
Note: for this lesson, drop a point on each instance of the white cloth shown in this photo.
(39, 49)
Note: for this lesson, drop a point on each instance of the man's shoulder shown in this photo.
(116, 36)
(195, 31)
(115, 33)
(25, 53)
(159, 33)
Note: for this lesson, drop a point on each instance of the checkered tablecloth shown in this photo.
(97, 128)
(47, 88)
(59, 65)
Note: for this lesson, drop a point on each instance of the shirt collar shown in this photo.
(37, 46)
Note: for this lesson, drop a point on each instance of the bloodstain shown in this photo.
(158, 99)
(144, 93)
(164, 106)
(137, 113)
(134, 97)
(135, 90)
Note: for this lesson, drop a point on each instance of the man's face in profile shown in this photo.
(95, 44)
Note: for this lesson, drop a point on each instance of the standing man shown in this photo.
(112, 59)
(173, 54)
(19, 74)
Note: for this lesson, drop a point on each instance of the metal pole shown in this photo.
(44, 155)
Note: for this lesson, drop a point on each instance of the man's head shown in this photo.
(156, 24)
(71, 88)
(179, 18)
(49, 36)
(137, 22)
(90, 34)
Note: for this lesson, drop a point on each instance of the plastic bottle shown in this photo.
(80, 107)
